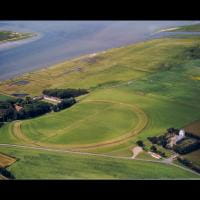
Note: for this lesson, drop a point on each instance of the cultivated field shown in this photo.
(194, 128)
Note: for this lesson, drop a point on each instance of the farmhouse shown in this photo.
(154, 155)
(54, 99)
(174, 138)
(17, 107)
(38, 98)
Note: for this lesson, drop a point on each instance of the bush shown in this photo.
(153, 140)
(65, 103)
(154, 149)
(6, 173)
(140, 143)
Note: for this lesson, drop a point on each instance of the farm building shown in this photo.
(38, 98)
(54, 99)
(17, 107)
(175, 138)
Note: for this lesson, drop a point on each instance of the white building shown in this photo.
(54, 99)
(173, 140)
(181, 135)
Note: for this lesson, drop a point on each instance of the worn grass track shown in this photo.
(142, 122)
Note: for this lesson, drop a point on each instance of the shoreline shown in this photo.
(166, 30)
(153, 36)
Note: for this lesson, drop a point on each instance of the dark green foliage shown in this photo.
(34, 110)
(184, 149)
(64, 93)
(6, 173)
(153, 140)
(189, 164)
(153, 148)
(140, 143)
(191, 135)
(65, 103)
(193, 52)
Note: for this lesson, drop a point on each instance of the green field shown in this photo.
(43, 165)
(4, 97)
(135, 92)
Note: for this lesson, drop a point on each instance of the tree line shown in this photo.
(65, 93)
(30, 108)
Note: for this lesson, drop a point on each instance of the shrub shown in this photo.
(140, 143)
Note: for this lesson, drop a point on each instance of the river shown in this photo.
(57, 41)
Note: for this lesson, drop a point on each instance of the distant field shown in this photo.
(47, 165)
(193, 128)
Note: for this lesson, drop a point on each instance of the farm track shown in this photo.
(142, 122)
(95, 154)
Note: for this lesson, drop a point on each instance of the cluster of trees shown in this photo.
(140, 143)
(155, 150)
(172, 130)
(193, 52)
(65, 103)
(184, 149)
(33, 110)
(191, 135)
(189, 164)
(30, 108)
(6, 173)
(65, 93)
(7, 111)
(160, 140)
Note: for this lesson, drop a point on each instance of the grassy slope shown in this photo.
(40, 164)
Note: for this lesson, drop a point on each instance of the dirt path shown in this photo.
(136, 151)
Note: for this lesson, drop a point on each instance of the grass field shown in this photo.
(43, 165)
(194, 157)
(135, 92)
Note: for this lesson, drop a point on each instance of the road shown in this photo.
(95, 154)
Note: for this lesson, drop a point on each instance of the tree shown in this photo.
(153, 148)
(140, 143)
